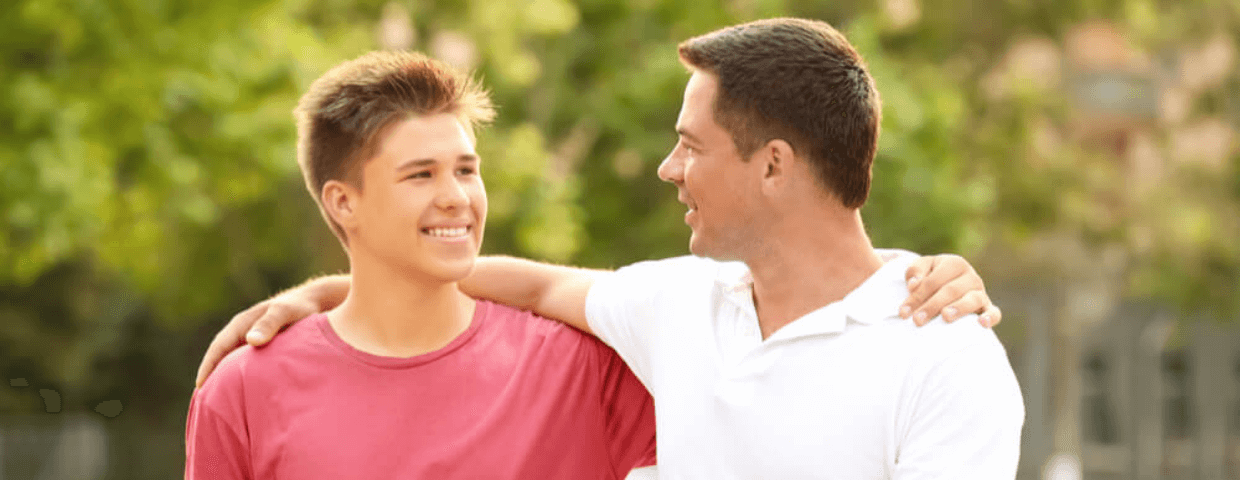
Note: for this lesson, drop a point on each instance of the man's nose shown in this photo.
(672, 169)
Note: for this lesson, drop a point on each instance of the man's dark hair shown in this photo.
(797, 80)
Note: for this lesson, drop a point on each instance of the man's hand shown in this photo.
(257, 324)
(949, 285)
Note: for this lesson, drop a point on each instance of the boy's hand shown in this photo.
(257, 324)
(947, 285)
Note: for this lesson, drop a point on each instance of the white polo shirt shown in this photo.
(849, 391)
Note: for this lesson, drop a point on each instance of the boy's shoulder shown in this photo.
(526, 326)
(247, 361)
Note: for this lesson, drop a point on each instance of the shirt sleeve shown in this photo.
(216, 440)
(966, 419)
(628, 411)
(628, 308)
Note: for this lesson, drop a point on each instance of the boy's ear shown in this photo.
(340, 201)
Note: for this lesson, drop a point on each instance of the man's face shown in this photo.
(717, 186)
(422, 207)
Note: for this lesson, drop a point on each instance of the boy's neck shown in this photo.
(393, 314)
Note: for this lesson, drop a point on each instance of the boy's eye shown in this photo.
(422, 174)
(466, 171)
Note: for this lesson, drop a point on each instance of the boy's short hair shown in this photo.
(797, 80)
(342, 115)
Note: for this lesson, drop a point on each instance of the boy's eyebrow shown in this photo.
(416, 163)
(426, 162)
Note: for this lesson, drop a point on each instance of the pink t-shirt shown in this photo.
(514, 396)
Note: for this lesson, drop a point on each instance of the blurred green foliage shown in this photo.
(148, 186)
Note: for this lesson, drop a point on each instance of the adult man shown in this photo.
(408, 377)
(787, 359)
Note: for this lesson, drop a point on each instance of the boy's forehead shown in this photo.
(440, 136)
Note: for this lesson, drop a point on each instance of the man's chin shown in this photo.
(698, 248)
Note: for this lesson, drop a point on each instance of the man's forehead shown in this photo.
(696, 110)
(702, 88)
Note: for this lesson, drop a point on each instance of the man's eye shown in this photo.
(466, 171)
(422, 174)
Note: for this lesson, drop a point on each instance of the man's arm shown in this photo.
(551, 291)
(257, 324)
(965, 421)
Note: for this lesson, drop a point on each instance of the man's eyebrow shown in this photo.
(685, 133)
(468, 158)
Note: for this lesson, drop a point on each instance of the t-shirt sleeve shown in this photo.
(627, 308)
(628, 411)
(216, 440)
(966, 419)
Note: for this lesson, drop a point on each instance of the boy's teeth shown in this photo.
(448, 232)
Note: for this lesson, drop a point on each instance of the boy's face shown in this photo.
(422, 207)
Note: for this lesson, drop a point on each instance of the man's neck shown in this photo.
(394, 314)
(808, 264)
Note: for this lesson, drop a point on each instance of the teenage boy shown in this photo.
(408, 377)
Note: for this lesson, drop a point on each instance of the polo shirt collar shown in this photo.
(877, 298)
(733, 276)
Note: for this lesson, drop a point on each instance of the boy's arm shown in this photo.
(945, 285)
(216, 446)
(628, 412)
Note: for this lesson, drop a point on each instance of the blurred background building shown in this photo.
(1083, 155)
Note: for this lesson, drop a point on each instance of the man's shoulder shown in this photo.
(672, 278)
(938, 340)
(686, 266)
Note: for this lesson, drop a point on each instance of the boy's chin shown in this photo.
(454, 271)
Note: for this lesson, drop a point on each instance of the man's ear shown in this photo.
(777, 156)
(340, 201)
